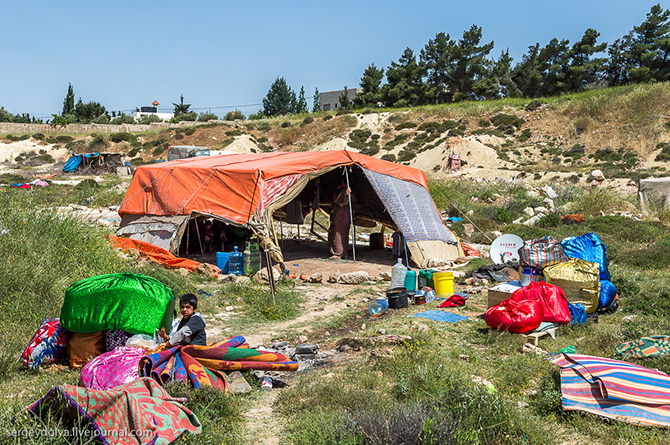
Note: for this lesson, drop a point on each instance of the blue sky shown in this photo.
(125, 54)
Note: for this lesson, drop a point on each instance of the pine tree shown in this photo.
(619, 63)
(584, 70)
(301, 106)
(280, 99)
(650, 47)
(68, 102)
(469, 63)
(526, 74)
(404, 82)
(316, 105)
(436, 58)
(344, 101)
(181, 107)
(371, 84)
(553, 62)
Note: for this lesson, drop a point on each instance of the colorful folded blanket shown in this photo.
(654, 346)
(202, 365)
(137, 413)
(614, 389)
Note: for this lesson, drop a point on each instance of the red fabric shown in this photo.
(553, 300)
(468, 250)
(515, 316)
(453, 301)
(156, 254)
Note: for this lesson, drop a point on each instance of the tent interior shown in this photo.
(315, 201)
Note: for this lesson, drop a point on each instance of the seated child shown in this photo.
(191, 328)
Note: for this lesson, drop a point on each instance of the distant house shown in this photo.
(330, 100)
(151, 111)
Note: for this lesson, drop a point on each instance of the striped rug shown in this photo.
(614, 389)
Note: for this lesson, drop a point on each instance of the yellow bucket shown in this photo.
(444, 284)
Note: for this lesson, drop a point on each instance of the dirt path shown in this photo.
(263, 424)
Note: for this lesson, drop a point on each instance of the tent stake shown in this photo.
(351, 217)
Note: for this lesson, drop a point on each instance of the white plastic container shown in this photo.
(398, 272)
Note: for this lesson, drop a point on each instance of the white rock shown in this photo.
(549, 202)
(549, 192)
(518, 220)
(532, 221)
(534, 193)
(354, 277)
(598, 175)
(529, 211)
(542, 210)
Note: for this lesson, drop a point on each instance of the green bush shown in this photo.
(327, 117)
(238, 115)
(389, 157)
(456, 132)
(308, 120)
(406, 155)
(64, 139)
(122, 136)
(505, 120)
(159, 150)
(136, 162)
(206, 116)
(664, 155)
(123, 119)
(525, 135)
(233, 133)
(11, 178)
(185, 117)
(39, 136)
(483, 123)
(148, 119)
(133, 151)
(403, 125)
(189, 131)
(286, 124)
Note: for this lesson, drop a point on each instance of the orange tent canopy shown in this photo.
(231, 186)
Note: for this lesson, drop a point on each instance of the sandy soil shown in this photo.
(10, 151)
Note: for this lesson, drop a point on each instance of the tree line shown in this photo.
(449, 70)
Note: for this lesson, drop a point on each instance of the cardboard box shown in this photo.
(502, 292)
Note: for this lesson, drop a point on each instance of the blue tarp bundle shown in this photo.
(75, 161)
(588, 247)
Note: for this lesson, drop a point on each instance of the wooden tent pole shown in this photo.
(202, 252)
(351, 216)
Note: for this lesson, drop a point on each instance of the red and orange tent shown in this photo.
(245, 190)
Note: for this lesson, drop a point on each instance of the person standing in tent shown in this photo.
(340, 221)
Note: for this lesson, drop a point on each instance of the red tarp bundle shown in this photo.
(515, 316)
(553, 300)
(156, 254)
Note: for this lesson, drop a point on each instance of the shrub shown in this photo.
(233, 133)
(664, 155)
(133, 151)
(255, 116)
(389, 157)
(238, 115)
(159, 150)
(505, 120)
(343, 112)
(483, 123)
(327, 117)
(308, 120)
(406, 155)
(456, 132)
(63, 139)
(525, 135)
(189, 132)
(122, 136)
(286, 124)
(136, 162)
(148, 119)
(367, 111)
(207, 116)
(402, 126)
(185, 117)
(39, 136)
(263, 126)
(123, 119)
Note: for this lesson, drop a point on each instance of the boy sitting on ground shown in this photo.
(191, 328)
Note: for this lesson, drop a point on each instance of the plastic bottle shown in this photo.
(236, 262)
(378, 307)
(247, 260)
(410, 280)
(398, 272)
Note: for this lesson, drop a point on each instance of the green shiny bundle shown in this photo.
(130, 302)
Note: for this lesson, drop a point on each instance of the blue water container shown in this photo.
(222, 261)
(236, 262)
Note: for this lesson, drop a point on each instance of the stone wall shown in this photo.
(15, 129)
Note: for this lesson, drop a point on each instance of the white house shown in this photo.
(330, 100)
(151, 111)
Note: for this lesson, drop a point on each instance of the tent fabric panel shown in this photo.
(161, 231)
(72, 163)
(654, 190)
(422, 251)
(411, 207)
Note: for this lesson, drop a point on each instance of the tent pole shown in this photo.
(351, 217)
(188, 234)
(202, 252)
(271, 277)
(281, 228)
